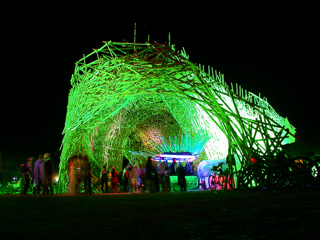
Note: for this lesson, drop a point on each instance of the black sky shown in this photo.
(272, 52)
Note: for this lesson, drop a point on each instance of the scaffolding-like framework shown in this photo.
(127, 96)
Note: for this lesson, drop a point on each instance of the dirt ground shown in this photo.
(267, 214)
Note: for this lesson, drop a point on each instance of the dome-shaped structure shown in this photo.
(127, 96)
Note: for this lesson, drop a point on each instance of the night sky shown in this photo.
(272, 52)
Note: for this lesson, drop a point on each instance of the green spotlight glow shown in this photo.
(128, 96)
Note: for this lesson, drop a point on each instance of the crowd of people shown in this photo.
(39, 174)
(150, 177)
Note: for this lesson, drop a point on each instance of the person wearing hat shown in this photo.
(135, 175)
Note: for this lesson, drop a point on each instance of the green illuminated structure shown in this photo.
(129, 96)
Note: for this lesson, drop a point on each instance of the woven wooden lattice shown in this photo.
(127, 96)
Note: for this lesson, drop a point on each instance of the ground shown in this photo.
(267, 214)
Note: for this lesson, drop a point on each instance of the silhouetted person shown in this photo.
(114, 180)
(161, 172)
(181, 172)
(142, 182)
(172, 171)
(172, 168)
(86, 174)
(26, 176)
(104, 179)
(155, 177)
(167, 187)
(126, 177)
(74, 163)
(49, 172)
(39, 174)
(148, 174)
